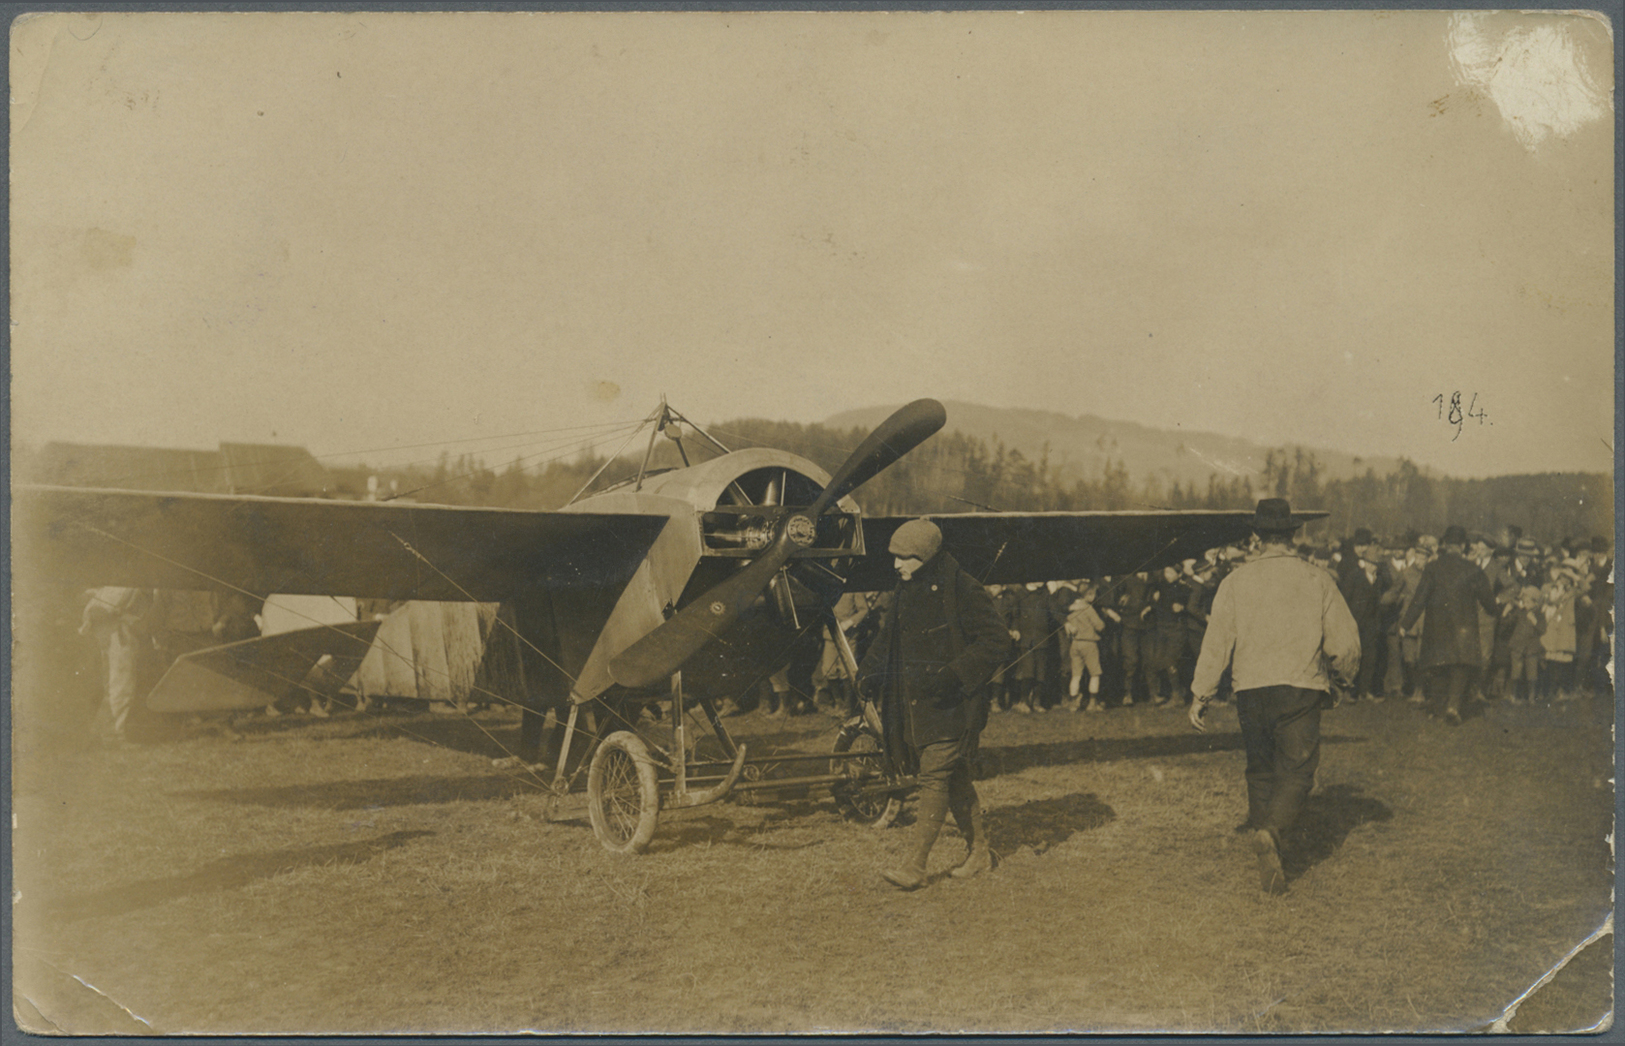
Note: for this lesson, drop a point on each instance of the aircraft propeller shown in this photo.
(663, 651)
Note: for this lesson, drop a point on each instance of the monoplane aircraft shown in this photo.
(691, 584)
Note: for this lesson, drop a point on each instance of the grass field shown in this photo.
(374, 873)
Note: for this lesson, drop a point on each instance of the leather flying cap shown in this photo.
(1274, 516)
(917, 539)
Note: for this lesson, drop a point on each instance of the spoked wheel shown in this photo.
(623, 797)
(875, 809)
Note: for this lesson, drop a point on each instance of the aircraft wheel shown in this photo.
(623, 797)
(875, 809)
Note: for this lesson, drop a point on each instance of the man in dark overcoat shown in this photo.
(1035, 631)
(1134, 609)
(1404, 575)
(1451, 593)
(1357, 580)
(1167, 635)
(939, 643)
(1006, 602)
(1199, 589)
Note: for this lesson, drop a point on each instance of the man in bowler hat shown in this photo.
(1276, 621)
(1452, 591)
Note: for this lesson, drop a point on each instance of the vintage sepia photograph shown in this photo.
(765, 522)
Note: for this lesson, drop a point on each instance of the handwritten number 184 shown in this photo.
(1452, 412)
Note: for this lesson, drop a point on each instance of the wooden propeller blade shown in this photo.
(662, 651)
(906, 429)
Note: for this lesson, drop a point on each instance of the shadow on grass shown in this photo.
(708, 830)
(491, 740)
(1327, 818)
(484, 733)
(1044, 823)
(228, 873)
(370, 793)
(1008, 759)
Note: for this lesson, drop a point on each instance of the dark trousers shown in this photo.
(1368, 682)
(945, 784)
(1450, 682)
(1135, 645)
(1280, 729)
(1162, 666)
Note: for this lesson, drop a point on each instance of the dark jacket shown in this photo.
(1165, 595)
(1133, 602)
(1060, 603)
(1361, 594)
(939, 642)
(1451, 593)
(1198, 605)
(1034, 619)
(1008, 603)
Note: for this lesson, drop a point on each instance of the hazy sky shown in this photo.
(371, 230)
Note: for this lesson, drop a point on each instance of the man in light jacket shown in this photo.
(1276, 621)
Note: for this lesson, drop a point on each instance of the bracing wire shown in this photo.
(574, 447)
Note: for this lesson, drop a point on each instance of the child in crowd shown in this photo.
(1524, 647)
(1084, 625)
(1558, 637)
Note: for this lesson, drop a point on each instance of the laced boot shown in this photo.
(1271, 879)
(911, 876)
(977, 858)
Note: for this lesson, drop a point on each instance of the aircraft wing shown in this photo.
(1014, 547)
(90, 537)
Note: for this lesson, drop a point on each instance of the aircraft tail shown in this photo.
(253, 673)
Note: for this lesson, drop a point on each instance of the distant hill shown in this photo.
(1080, 447)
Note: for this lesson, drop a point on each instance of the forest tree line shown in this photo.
(953, 472)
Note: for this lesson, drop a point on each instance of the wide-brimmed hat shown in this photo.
(1274, 516)
(1362, 536)
(1527, 547)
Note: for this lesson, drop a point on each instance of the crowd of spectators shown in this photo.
(1547, 639)
(1094, 644)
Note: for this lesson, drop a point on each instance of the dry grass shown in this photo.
(371, 874)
